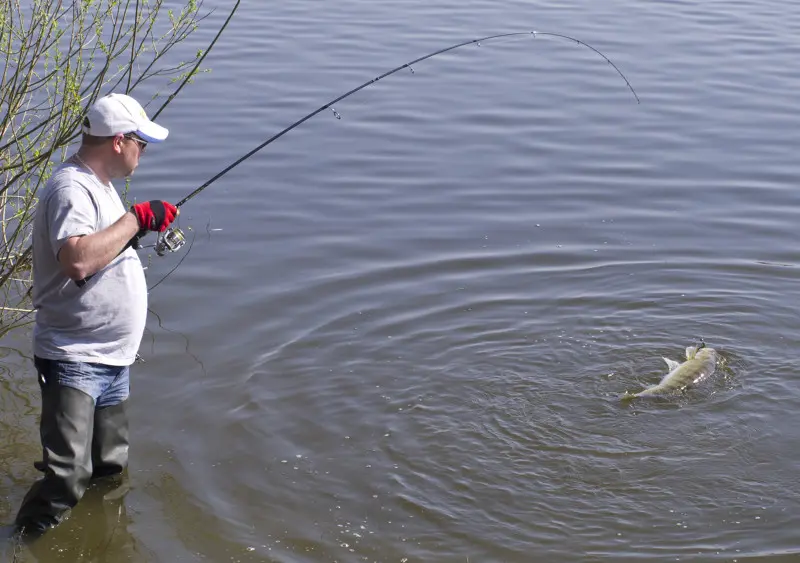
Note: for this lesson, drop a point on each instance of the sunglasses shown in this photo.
(142, 144)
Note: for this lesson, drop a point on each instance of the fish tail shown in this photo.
(628, 396)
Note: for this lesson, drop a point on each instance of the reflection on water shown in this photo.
(95, 531)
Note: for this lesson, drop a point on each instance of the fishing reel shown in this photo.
(169, 241)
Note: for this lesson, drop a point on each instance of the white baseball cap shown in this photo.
(118, 113)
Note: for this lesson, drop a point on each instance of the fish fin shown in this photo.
(671, 364)
(690, 352)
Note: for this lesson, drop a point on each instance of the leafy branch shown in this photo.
(59, 57)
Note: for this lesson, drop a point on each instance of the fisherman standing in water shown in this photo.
(91, 299)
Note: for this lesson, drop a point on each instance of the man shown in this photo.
(91, 299)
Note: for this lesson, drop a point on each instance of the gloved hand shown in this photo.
(154, 215)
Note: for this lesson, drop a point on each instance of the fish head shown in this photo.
(691, 351)
(706, 355)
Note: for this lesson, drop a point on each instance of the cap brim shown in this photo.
(152, 132)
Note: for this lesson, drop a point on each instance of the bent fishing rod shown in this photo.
(173, 238)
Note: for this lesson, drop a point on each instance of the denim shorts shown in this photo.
(107, 385)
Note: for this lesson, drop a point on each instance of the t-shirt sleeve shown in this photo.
(70, 213)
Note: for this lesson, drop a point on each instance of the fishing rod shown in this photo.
(173, 238)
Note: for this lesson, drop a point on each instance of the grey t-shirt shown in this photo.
(103, 321)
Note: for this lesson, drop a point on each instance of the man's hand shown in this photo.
(155, 215)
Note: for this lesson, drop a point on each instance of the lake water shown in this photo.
(401, 336)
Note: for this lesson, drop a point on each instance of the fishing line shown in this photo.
(188, 250)
(173, 239)
(408, 65)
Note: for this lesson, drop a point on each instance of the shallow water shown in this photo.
(402, 335)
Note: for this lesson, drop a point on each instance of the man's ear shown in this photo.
(117, 143)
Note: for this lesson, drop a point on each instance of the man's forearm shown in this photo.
(83, 256)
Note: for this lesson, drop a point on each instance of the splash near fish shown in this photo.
(701, 363)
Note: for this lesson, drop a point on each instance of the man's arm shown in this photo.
(82, 256)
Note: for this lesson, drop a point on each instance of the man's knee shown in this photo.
(66, 428)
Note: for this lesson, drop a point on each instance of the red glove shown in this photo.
(154, 215)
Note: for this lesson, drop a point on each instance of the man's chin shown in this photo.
(122, 174)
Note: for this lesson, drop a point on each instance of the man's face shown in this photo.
(127, 150)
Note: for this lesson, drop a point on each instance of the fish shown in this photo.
(700, 364)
